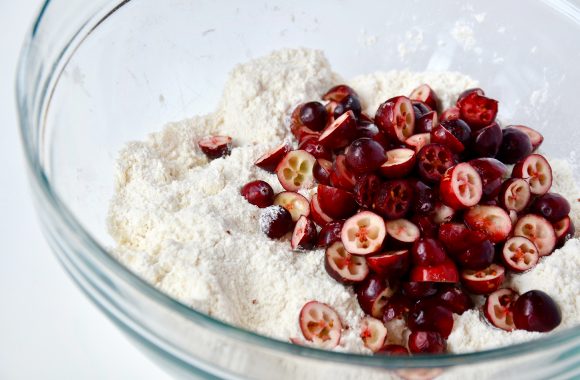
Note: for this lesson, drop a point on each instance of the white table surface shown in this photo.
(48, 329)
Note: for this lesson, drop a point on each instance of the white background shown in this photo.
(48, 329)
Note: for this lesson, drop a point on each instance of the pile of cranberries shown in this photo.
(417, 210)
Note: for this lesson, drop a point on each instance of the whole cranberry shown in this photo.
(459, 129)
(427, 251)
(536, 311)
(313, 115)
(515, 146)
(426, 315)
(551, 206)
(397, 307)
(487, 141)
(275, 221)
(348, 103)
(365, 155)
(426, 342)
(330, 233)
(420, 109)
(478, 256)
(454, 298)
(258, 193)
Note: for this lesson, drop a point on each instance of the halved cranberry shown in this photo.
(363, 233)
(373, 333)
(275, 221)
(426, 123)
(420, 109)
(316, 213)
(520, 254)
(344, 267)
(426, 342)
(536, 311)
(389, 264)
(456, 237)
(477, 110)
(373, 294)
(493, 221)
(215, 146)
(564, 230)
(461, 186)
(341, 175)
(515, 194)
(330, 233)
(425, 94)
(418, 141)
(396, 117)
(450, 113)
(304, 235)
(397, 307)
(464, 94)
(312, 115)
(270, 160)
(551, 206)
(433, 161)
(498, 308)
(402, 231)
(258, 193)
(487, 141)
(444, 272)
(441, 135)
(536, 137)
(427, 316)
(393, 349)
(399, 163)
(478, 256)
(321, 171)
(427, 226)
(295, 203)
(515, 146)
(537, 171)
(539, 231)
(492, 173)
(459, 129)
(416, 290)
(442, 213)
(484, 281)
(454, 298)
(335, 202)
(302, 132)
(315, 148)
(348, 103)
(424, 197)
(295, 170)
(394, 199)
(365, 155)
(370, 130)
(426, 251)
(366, 188)
(338, 134)
(339, 92)
(320, 324)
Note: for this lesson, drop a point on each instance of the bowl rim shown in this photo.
(49, 198)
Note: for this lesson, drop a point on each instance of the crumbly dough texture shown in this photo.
(180, 223)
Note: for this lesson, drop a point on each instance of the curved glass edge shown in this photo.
(48, 197)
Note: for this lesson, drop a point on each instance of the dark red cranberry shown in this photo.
(427, 252)
(426, 123)
(424, 198)
(416, 290)
(492, 173)
(312, 146)
(258, 193)
(420, 109)
(426, 342)
(426, 224)
(433, 160)
(348, 103)
(456, 237)
(394, 199)
(515, 146)
(366, 188)
(459, 129)
(394, 350)
(426, 315)
(397, 307)
(454, 298)
(487, 141)
(450, 113)
(536, 311)
(477, 257)
(551, 206)
(321, 170)
(313, 115)
(330, 233)
(477, 110)
(275, 221)
(440, 135)
(477, 90)
(365, 155)
(371, 131)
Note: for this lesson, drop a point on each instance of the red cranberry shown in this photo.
(426, 224)
(258, 193)
(478, 256)
(275, 221)
(420, 109)
(366, 188)
(313, 115)
(394, 199)
(433, 160)
(551, 206)
(515, 146)
(416, 290)
(427, 252)
(426, 123)
(348, 103)
(424, 198)
(371, 131)
(330, 233)
(393, 349)
(423, 342)
(454, 298)
(477, 110)
(459, 129)
(315, 148)
(372, 294)
(321, 170)
(365, 155)
(426, 315)
(397, 307)
(462, 96)
(487, 141)
(456, 237)
(536, 311)
(492, 173)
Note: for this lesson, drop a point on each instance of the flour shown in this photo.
(180, 223)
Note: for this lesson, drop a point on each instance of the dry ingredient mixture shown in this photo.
(180, 222)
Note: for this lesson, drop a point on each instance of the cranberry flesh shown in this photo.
(433, 160)
(515, 146)
(536, 311)
(394, 199)
(258, 193)
(366, 188)
(313, 115)
(477, 90)
(454, 298)
(330, 233)
(551, 206)
(426, 342)
(477, 110)
(275, 221)
(487, 141)
(428, 316)
(478, 256)
(427, 252)
(365, 155)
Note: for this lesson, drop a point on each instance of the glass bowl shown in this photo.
(94, 75)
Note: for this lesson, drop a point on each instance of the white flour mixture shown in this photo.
(181, 224)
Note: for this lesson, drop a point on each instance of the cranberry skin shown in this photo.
(427, 226)
(551, 206)
(428, 252)
(424, 198)
(433, 160)
(492, 173)
(348, 103)
(394, 199)
(456, 237)
(426, 123)
(394, 350)
(536, 311)
(368, 291)
(426, 342)
(330, 233)
(454, 298)
(365, 155)
(397, 307)
(321, 171)
(478, 256)
(312, 146)
(416, 290)
(275, 221)
(426, 315)
(420, 109)
(313, 115)
(487, 141)
(459, 129)
(258, 193)
(366, 188)
(515, 146)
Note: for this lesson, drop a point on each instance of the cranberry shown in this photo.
(339, 92)
(275, 221)
(492, 173)
(366, 188)
(536, 311)
(215, 146)
(456, 237)
(370, 130)
(315, 148)
(421, 342)
(424, 198)
(441, 135)
(433, 160)
(478, 256)
(330, 233)
(459, 129)
(418, 290)
(258, 193)
(454, 298)
(426, 123)
(426, 315)
(341, 175)
(420, 109)
(372, 294)
(462, 96)
(515, 146)
(321, 170)
(425, 93)
(348, 103)
(450, 114)
(393, 349)
(335, 202)
(487, 141)
(426, 224)
(477, 110)
(426, 252)
(394, 199)
(365, 155)
(397, 307)
(551, 206)
(313, 115)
